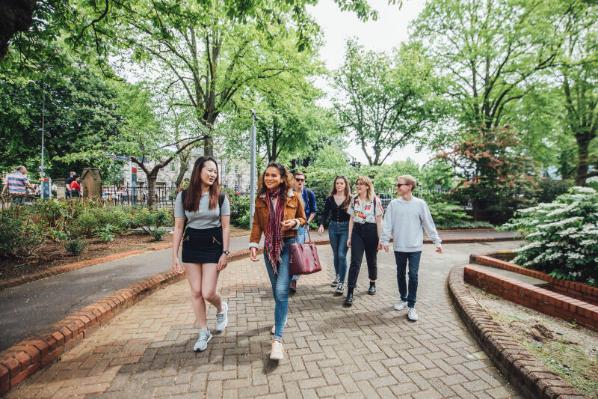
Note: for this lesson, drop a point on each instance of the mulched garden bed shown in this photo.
(53, 254)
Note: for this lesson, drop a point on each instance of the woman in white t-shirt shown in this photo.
(365, 230)
(205, 237)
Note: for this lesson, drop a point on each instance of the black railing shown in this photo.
(164, 195)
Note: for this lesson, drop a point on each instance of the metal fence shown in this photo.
(164, 195)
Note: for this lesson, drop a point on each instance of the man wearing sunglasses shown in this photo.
(405, 220)
(309, 204)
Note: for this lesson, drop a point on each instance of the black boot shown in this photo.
(372, 289)
(349, 300)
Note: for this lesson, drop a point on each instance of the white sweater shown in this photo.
(405, 222)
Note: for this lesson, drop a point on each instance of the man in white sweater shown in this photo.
(405, 220)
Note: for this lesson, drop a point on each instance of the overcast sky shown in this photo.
(384, 34)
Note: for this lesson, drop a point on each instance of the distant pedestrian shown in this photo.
(278, 215)
(72, 176)
(365, 228)
(75, 188)
(308, 198)
(335, 211)
(405, 221)
(202, 223)
(16, 185)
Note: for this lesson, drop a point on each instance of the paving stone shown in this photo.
(368, 350)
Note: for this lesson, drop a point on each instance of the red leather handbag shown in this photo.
(304, 258)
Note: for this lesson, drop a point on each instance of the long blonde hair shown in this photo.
(368, 182)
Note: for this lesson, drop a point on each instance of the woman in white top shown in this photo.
(365, 229)
(202, 223)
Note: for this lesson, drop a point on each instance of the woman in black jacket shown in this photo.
(335, 210)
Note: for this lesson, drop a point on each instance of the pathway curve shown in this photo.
(30, 309)
(368, 351)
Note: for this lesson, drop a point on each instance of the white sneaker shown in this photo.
(400, 306)
(202, 342)
(412, 314)
(277, 352)
(222, 318)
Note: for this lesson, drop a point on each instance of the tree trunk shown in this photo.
(151, 188)
(183, 167)
(583, 144)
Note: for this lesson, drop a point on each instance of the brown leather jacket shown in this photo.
(293, 210)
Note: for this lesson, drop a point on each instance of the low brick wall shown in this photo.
(514, 361)
(573, 289)
(540, 299)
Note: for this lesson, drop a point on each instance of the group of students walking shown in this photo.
(283, 210)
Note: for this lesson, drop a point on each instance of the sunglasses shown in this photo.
(402, 184)
(300, 179)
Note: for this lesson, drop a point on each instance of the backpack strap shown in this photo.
(221, 198)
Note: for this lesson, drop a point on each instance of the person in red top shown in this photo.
(76, 188)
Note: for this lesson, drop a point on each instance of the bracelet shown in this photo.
(227, 252)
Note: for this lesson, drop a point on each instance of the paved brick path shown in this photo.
(368, 351)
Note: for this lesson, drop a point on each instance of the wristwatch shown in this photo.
(227, 252)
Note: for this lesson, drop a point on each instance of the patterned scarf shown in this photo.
(273, 234)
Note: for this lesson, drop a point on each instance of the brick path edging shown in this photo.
(514, 361)
(573, 289)
(13, 282)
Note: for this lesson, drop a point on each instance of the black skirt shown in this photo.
(202, 245)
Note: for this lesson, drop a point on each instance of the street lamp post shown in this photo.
(253, 177)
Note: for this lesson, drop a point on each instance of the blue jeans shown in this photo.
(408, 292)
(301, 238)
(338, 232)
(280, 287)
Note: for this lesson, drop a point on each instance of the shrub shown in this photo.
(158, 234)
(19, 236)
(452, 216)
(239, 209)
(151, 221)
(562, 236)
(75, 246)
(93, 219)
(105, 233)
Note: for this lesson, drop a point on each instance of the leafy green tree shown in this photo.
(387, 102)
(491, 51)
(76, 105)
(579, 74)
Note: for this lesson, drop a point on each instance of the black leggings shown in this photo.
(364, 238)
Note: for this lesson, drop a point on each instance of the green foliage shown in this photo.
(562, 236)
(452, 216)
(495, 174)
(105, 233)
(19, 237)
(96, 218)
(75, 246)
(151, 221)
(388, 102)
(239, 205)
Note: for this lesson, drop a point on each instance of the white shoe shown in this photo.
(400, 306)
(412, 314)
(277, 352)
(202, 342)
(222, 318)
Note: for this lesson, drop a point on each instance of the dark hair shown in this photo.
(193, 192)
(345, 204)
(286, 179)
